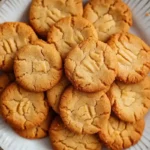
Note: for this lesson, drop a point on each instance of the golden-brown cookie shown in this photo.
(91, 66)
(70, 31)
(119, 135)
(23, 109)
(37, 132)
(44, 13)
(130, 102)
(38, 66)
(133, 57)
(13, 36)
(84, 112)
(54, 94)
(5, 80)
(64, 139)
(108, 17)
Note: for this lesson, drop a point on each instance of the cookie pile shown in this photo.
(85, 66)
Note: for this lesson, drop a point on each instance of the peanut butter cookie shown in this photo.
(133, 57)
(130, 102)
(70, 31)
(23, 109)
(118, 135)
(38, 66)
(64, 139)
(108, 17)
(44, 13)
(13, 36)
(84, 112)
(37, 132)
(54, 94)
(91, 66)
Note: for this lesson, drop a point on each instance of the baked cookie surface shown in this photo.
(54, 94)
(91, 66)
(118, 135)
(13, 36)
(38, 66)
(44, 13)
(108, 17)
(23, 109)
(130, 102)
(133, 57)
(70, 31)
(37, 132)
(84, 112)
(62, 138)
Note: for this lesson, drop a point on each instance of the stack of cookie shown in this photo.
(86, 67)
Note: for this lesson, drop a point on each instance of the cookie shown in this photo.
(62, 138)
(5, 80)
(23, 109)
(38, 66)
(130, 102)
(70, 31)
(118, 135)
(91, 66)
(44, 13)
(108, 17)
(133, 57)
(37, 132)
(54, 94)
(13, 36)
(84, 112)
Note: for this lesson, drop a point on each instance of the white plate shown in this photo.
(17, 10)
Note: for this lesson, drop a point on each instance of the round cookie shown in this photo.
(23, 109)
(130, 102)
(44, 13)
(37, 132)
(118, 135)
(108, 17)
(84, 112)
(13, 36)
(133, 57)
(5, 80)
(62, 138)
(70, 31)
(38, 66)
(91, 66)
(54, 94)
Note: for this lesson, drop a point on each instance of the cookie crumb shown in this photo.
(147, 14)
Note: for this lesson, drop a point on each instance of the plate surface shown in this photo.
(17, 10)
